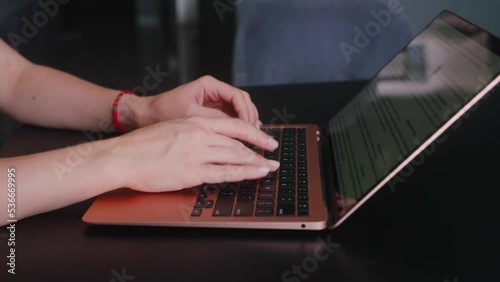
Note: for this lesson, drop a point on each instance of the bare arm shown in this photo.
(45, 181)
(47, 97)
(43, 96)
(166, 156)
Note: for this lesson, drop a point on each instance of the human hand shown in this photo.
(204, 97)
(170, 156)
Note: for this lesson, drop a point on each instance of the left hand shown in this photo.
(204, 97)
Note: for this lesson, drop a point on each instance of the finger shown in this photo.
(236, 128)
(248, 104)
(240, 155)
(231, 173)
(218, 90)
(197, 110)
(254, 115)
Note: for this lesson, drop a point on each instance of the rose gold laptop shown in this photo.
(328, 172)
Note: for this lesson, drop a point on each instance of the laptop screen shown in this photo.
(419, 93)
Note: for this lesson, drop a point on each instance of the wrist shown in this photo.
(110, 163)
(134, 112)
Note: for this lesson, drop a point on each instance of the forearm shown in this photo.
(54, 179)
(46, 97)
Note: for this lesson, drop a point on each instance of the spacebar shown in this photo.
(223, 206)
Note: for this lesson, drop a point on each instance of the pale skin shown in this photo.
(178, 139)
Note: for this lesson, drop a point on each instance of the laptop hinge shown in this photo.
(327, 180)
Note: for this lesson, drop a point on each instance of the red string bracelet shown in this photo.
(114, 111)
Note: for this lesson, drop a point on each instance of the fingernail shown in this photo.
(259, 124)
(273, 142)
(264, 169)
(274, 164)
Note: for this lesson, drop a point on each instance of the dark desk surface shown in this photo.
(440, 225)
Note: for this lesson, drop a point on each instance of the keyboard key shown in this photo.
(266, 196)
(287, 159)
(286, 184)
(286, 192)
(287, 171)
(285, 210)
(201, 195)
(223, 206)
(248, 184)
(303, 206)
(246, 197)
(267, 188)
(287, 177)
(208, 204)
(264, 212)
(210, 189)
(302, 197)
(271, 156)
(248, 190)
(196, 212)
(265, 204)
(268, 181)
(199, 203)
(243, 209)
(228, 193)
(286, 200)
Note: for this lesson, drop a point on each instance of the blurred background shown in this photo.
(243, 42)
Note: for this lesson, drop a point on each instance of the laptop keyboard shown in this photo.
(280, 193)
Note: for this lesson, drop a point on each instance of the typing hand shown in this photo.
(184, 153)
(204, 97)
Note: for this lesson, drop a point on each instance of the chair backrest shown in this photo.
(297, 41)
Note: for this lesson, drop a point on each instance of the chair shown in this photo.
(297, 41)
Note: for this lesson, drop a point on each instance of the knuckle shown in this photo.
(237, 125)
(194, 119)
(244, 154)
(232, 173)
(246, 94)
(207, 79)
(194, 132)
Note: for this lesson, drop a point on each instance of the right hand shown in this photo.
(173, 155)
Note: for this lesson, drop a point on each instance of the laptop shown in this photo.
(328, 171)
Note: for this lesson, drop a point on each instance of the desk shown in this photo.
(440, 224)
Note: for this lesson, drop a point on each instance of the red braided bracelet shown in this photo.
(114, 111)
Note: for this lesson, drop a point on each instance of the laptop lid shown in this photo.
(444, 71)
